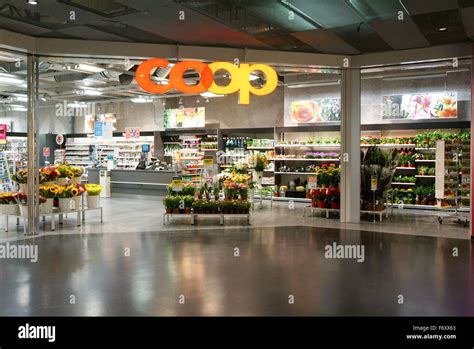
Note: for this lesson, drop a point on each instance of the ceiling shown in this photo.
(326, 26)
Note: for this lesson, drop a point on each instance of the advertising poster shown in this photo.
(315, 110)
(184, 118)
(3, 133)
(431, 105)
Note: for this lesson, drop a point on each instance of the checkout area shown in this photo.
(138, 182)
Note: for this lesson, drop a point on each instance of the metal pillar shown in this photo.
(350, 143)
(33, 159)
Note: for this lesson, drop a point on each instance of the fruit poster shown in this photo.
(184, 117)
(315, 110)
(434, 105)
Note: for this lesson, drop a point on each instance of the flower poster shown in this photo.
(184, 118)
(315, 110)
(433, 105)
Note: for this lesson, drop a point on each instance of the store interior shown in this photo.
(139, 147)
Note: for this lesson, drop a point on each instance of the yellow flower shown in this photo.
(74, 191)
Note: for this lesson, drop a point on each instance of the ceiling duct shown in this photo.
(126, 79)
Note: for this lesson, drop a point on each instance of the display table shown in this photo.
(53, 215)
(142, 182)
(337, 210)
(167, 216)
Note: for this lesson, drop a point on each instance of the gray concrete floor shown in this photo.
(272, 265)
(144, 214)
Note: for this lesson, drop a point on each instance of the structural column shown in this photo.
(33, 158)
(350, 146)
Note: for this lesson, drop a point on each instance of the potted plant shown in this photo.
(75, 174)
(9, 203)
(20, 177)
(22, 199)
(381, 164)
(320, 197)
(188, 203)
(49, 193)
(176, 204)
(168, 203)
(93, 195)
(65, 194)
(334, 197)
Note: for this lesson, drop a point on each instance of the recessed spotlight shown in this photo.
(32, 2)
(442, 29)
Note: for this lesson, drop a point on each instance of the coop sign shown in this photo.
(239, 77)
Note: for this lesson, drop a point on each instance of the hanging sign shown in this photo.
(46, 152)
(59, 139)
(373, 183)
(3, 133)
(239, 77)
(208, 162)
(177, 184)
(132, 133)
(312, 182)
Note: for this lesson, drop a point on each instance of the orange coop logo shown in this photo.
(239, 78)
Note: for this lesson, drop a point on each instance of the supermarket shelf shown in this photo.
(304, 159)
(296, 173)
(388, 145)
(419, 176)
(277, 198)
(209, 149)
(325, 146)
(403, 183)
(405, 168)
(260, 148)
(426, 207)
(424, 149)
(172, 143)
(425, 160)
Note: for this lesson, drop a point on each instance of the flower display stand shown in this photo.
(194, 216)
(327, 211)
(80, 217)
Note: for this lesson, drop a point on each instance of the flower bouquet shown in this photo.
(22, 199)
(93, 194)
(65, 195)
(21, 177)
(63, 170)
(48, 174)
(49, 193)
(9, 203)
(75, 174)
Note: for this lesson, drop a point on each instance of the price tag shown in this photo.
(208, 162)
(312, 182)
(177, 184)
(46, 152)
(373, 183)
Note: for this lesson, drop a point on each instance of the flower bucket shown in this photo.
(47, 207)
(62, 181)
(321, 204)
(23, 188)
(93, 202)
(9, 209)
(76, 202)
(76, 180)
(24, 210)
(65, 205)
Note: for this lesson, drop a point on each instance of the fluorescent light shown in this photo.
(210, 94)
(10, 79)
(77, 105)
(442, 29)
(32, 2)
(88, 92)
(21, 98)
(413, 77)
(88, 68)
(315, 84)
(18, 108)
(142, 100)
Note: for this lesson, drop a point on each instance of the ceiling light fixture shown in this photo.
(89, 92)
(32, 2)
(315, 84)
(142, 100)
(18, 108)
(21, 98)
(208, 94)
(443, 29)
(87, 68)
(10, 79)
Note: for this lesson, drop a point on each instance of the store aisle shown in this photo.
(249, 271)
